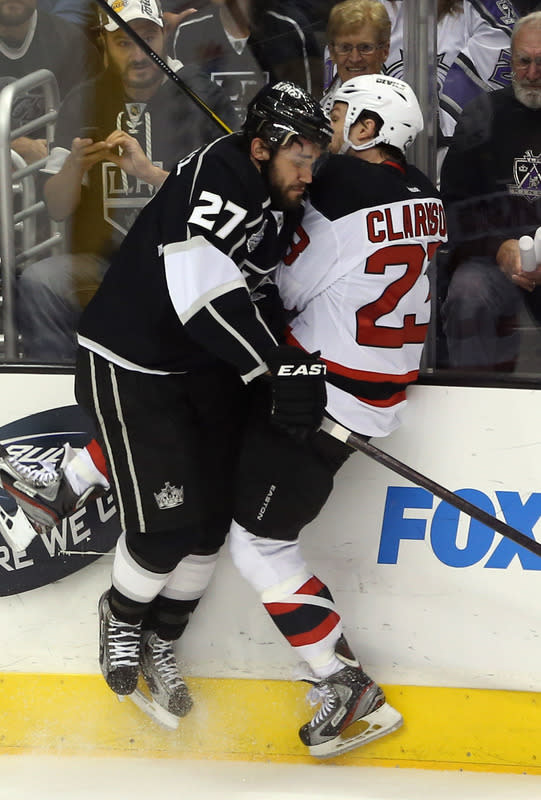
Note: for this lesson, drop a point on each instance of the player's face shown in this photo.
(16, 12)
(338, 118)
(290, 172)
(136, 70)
(526, 62)
(358, 53)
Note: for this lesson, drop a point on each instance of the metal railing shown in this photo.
(420, 58)
(19, 230)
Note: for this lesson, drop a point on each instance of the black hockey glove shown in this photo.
(298, 390)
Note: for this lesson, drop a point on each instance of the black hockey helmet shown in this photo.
(285, 109)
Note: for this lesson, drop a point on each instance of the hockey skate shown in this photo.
(120, 645)
(170, 698)
(43, 496)
(346, 697)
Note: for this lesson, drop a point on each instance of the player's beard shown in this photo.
(281, 195)
(529, 96)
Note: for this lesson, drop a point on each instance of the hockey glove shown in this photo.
(298, 390)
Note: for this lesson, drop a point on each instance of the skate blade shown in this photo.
(16, 529)
(154, 710)
(380, 722)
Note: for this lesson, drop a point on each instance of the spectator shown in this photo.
(31, 39)
(473, 38)
(116, 138)
(244, 44)
(492, 189)
(79, 12)
(358, 35)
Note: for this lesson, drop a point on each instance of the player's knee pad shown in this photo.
(267, 563)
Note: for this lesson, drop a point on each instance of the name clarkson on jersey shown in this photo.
(414, 220)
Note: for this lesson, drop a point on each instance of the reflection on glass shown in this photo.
(120, 126)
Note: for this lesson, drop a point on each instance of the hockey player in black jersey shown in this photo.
(180, 325)
(166, 347)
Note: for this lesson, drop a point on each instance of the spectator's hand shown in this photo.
(172, 21)
(127, 153)
(508, 260)
(85, 153)
(30, 149)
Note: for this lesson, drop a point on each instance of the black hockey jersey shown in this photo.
(177, 294)
(356, 276)
(279, 48)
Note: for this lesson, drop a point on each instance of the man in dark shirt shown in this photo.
(32, 39)
(242, 45)
(117, 137)
(491, 185)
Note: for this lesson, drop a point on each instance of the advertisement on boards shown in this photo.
(80, 539)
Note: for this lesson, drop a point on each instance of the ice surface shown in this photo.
(38, 777)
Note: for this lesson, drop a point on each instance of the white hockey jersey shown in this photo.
(356, 278)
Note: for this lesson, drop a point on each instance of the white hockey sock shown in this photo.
(191, 577)
(318, 653)
(131, 579)
(278, 572)
(80, 470)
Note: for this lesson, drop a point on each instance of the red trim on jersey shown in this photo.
(359, 374)
(399, 397)
(316, 634)
(312, 586)
(389, 162)
(96, 454)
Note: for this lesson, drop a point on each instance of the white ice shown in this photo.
(38, 777)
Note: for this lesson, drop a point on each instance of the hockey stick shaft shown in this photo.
(358, 443)
(162, 65)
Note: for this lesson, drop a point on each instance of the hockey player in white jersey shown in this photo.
(356, 282)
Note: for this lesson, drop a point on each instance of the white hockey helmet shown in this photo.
(392, 99)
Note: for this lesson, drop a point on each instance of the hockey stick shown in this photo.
(358, 443)
(162, 65)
